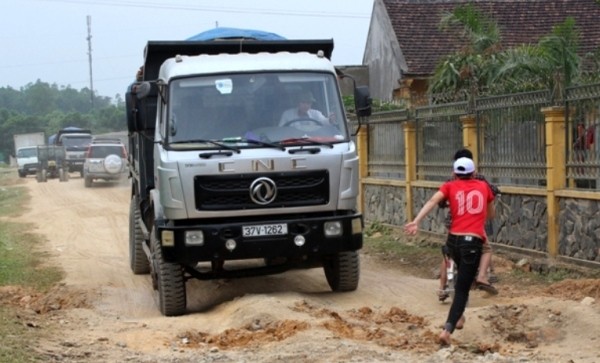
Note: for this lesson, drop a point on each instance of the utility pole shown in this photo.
(89, 39)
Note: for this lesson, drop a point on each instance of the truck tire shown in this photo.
(138, 261)
(87, 182)
(38, 176)
(22, 173)
(44, 176)
(169, 281)
(342, 271)
(113, 164)
(62, 176)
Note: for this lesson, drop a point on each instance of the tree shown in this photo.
(483, 66)
(471, 67)
(47, 107)
(551, 64)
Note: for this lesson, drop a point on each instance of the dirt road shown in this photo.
(109, 314)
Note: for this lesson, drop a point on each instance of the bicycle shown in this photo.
(450, 273)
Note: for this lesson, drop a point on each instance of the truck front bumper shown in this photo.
(306, 238)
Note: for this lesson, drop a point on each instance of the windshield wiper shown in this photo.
(255, 142)
(206, 141)
(304, 141)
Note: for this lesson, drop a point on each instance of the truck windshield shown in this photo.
(267, 107)
(76, 141)
(27, 153)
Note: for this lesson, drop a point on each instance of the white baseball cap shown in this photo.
(464, 166)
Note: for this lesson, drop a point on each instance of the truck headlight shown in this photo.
(194, 238)
(332, 229)
(167, 238)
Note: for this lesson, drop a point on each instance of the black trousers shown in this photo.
(466, 253)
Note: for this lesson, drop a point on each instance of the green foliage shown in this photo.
(19, 260)
(482, 33)
(377, 227)
(47, 108)
(484, 67)
(10, 198)
(593, 74)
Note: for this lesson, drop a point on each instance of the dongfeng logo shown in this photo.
(263, 191)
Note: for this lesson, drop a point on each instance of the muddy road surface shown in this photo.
(105, 313)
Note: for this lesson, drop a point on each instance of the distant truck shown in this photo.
(222, 186)
(51, 163)
(26, 152)
(76, 141)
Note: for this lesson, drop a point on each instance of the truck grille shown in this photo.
(294, 189)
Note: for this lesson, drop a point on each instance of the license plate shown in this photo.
(265, 230)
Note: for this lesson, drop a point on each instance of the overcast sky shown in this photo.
(47, 39)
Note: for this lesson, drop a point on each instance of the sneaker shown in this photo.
(443, 294)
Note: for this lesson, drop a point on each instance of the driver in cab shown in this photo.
(304, 115)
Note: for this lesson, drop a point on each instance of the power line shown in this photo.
(150, 5)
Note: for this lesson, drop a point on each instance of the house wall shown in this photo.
(383, 55)
(360, 75)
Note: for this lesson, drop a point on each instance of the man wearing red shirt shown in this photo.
(471, 203)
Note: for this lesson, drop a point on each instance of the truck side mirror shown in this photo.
(142, 90)
(139, 100)
(362, 101)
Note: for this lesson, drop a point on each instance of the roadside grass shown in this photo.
(20, 265)
(421, 256)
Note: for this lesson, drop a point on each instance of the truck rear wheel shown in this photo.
(169, 281)
(44, 176)
(138, 261)
(62, 175)
(342, 271)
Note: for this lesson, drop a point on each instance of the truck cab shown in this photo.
(27, 160)
(75, 142)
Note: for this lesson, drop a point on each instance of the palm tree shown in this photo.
(469, 68)
(483, 66)
(551, 64)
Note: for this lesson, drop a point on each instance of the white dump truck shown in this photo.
(26, 152)
(230, 178)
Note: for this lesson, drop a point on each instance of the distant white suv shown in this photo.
(105, 159)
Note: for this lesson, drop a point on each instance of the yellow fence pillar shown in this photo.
(469, 128)
(362, 147)
(410, 159)
(555, 170)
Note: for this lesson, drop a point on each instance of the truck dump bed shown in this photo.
(156, 52)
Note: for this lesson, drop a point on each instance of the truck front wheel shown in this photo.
(138, 261)
(342, 270)
(168, 280)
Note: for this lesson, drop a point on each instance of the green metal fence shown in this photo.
(386, 145)
(439, 135)
(511, 136)
(583, 130)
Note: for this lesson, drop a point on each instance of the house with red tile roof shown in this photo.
(405, 42)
